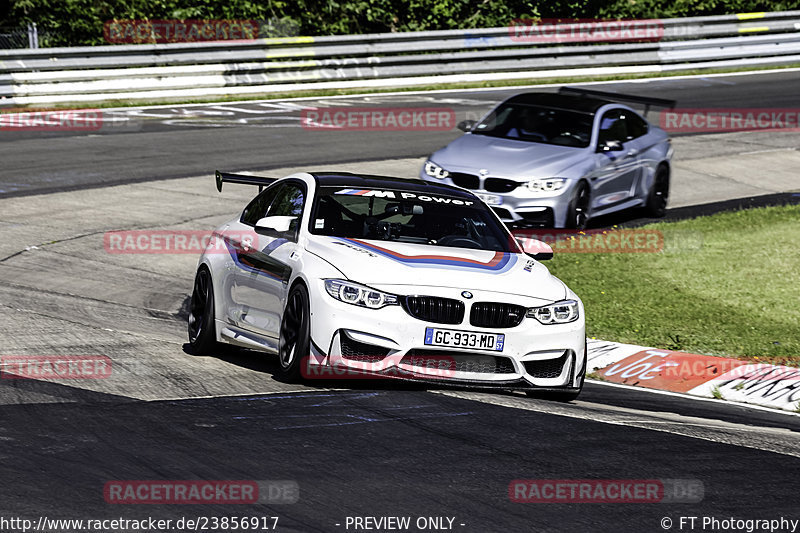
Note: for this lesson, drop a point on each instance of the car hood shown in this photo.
(507, 157)
(393, 263)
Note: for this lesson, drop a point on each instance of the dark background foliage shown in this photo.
(80, 22)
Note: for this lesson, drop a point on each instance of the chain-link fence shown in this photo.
(35, 36)
(30, 36)
(17, 38)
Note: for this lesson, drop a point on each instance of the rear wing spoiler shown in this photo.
(227, 177)
(645, 100)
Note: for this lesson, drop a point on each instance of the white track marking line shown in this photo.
(595, 382)
(769, 151)
(696, 398)
(242, 394)
(467, 90)
(768, 439)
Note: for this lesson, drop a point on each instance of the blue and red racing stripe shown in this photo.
(259, 262)
(353, 192)
(500, 263)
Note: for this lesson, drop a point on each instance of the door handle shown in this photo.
(632, 152)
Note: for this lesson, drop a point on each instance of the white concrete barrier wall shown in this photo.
(262, 66)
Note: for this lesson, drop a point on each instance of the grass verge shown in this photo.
(727, 284)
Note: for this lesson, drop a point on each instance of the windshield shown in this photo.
(405, 216)
(537, 124)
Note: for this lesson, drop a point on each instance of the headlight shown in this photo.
(435, 171)
(356, 294)
(546, 185)
(561, 312)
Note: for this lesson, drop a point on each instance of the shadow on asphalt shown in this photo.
(267, 364)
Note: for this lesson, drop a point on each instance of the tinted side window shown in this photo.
(257, 208)
(637, 126)
(289, 202)
(613, 127)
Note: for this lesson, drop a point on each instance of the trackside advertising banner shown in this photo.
(738, 380)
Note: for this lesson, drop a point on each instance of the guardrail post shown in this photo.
(33, 35)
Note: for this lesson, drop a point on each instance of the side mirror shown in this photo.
(609, 146)
(466, 125)
(274, 225)
(541, 256)
(539, 250)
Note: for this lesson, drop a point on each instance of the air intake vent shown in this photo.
(496, 315)
(468, 181)
(458, 362)
(547, 369)
(434, 309)
(359, 351)
(500, 185)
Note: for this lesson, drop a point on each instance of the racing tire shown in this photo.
(656, 205)
(295, 335)
(578, 209)
(202, 330)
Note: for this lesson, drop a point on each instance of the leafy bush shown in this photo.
(80, 22)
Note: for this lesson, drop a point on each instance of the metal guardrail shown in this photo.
(224, 68)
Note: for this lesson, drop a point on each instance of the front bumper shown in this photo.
(354, 342)
(522, 207)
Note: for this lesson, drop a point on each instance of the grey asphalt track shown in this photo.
(390, 453)
(179, 141)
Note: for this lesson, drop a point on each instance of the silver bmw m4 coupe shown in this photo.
(557, 160)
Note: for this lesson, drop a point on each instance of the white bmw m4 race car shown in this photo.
(386, 277)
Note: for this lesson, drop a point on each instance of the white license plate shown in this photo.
(464, 339)
(490, 199)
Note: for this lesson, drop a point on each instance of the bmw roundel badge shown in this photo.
(466, 294)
